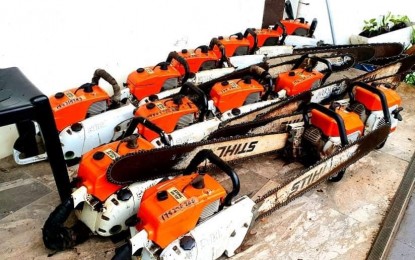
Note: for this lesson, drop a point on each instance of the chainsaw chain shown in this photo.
(321, 179)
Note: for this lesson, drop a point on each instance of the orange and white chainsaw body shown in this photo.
(144, 82)
(180, 211)
(297, 81)
(220, 234)
(330, 130)
(106, 206)
(199, 59)
(92, 132)
(374, 116)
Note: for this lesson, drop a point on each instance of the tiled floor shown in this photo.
(403, 246)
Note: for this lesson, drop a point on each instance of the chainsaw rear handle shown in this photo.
(330, 113)
(250, 31)
(206, 154)
(175, 56)
(315, 59)
(374, 90)
(100, 73)
(329, 68)
(148, 124)
(284, 32)
(204, 101)
(312, 29)
(263, 74)
(215, 42)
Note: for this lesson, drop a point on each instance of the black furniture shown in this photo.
(20, 102)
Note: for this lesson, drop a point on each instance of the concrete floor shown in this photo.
(332, 221)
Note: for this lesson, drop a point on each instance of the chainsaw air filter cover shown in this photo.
(234, 93)
(165, 113)
(172, 208)
(73, 105)
(145, 82)
(297, 81)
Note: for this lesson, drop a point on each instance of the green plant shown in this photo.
(410, 78)
(370, 25)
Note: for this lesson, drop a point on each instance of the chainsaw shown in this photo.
(75, 105)
(184, 199)
(95, 195)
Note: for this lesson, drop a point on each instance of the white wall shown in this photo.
(59, 44)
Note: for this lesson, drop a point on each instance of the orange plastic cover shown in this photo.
(178, 210)
(292, 25)
(233, 46)
(147, 81)
(264, 35)
(232, 94)
(71, 108)
(372, 101)
(297, 81)
(329, 126)
(197, 60)
(165, 114)
(92, 172)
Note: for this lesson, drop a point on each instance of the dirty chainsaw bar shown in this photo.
(277, 197)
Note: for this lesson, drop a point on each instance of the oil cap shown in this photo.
(247, 80)
(140, 70)
(224, 83)
(187, 242)
(236, 111)
(291, 73)
(162, 195)
(76, 127)
(59, 95)
(184, 51)
(98, 155)
(124, 194)
(150, 105)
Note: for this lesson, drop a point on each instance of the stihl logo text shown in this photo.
(237, 149)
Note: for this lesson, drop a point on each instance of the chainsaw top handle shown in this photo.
(141, 120)
(255, 36)
(206, 154)
(315, 59)
(175, 56)
(284, 32)
(330, 113)
(215, 42)
(202, 103)
(264, 75)
(374, 90)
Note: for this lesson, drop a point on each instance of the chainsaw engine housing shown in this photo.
(199, 59)
(231, 94)
(297, 81)
(173, 208)
(75, 105)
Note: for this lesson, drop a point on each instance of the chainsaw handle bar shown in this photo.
(255, 36)
(330, 113)
(238, 35)
(216, 42)
(150, 125)
(190, 86)
(263, 74)
(374, 90)
(98, 74)
(316, 59)
(175, 56)
(313, 27)
(284, 32)
(206, 154)
(329, 68)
